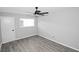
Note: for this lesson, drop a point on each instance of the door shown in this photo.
(8, 29)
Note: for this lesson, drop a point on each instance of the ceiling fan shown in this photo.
(37, 12)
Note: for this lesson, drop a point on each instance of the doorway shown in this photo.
(8, 29)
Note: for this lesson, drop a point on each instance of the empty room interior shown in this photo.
(39, 29)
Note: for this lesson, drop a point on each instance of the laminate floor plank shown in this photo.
(34, 44)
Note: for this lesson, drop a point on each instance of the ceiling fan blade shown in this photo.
(44, 13)
(36, 13)
(28, 13)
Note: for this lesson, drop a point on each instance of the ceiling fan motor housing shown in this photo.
(37, 12)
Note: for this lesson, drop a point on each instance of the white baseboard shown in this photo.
(19, 38)
(25, 36)
(58, 42)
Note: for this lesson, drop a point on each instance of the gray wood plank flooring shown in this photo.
(34, 44)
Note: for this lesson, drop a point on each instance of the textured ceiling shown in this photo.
(29, 9)
(16, 9)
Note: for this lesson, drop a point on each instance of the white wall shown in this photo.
(21, 32)
(0, 36)
(62, 26)
(0, 31)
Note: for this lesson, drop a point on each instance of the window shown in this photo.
(26, 22)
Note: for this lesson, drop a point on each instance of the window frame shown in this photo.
(21, 21)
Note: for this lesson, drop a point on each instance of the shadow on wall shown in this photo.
(64, 24)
